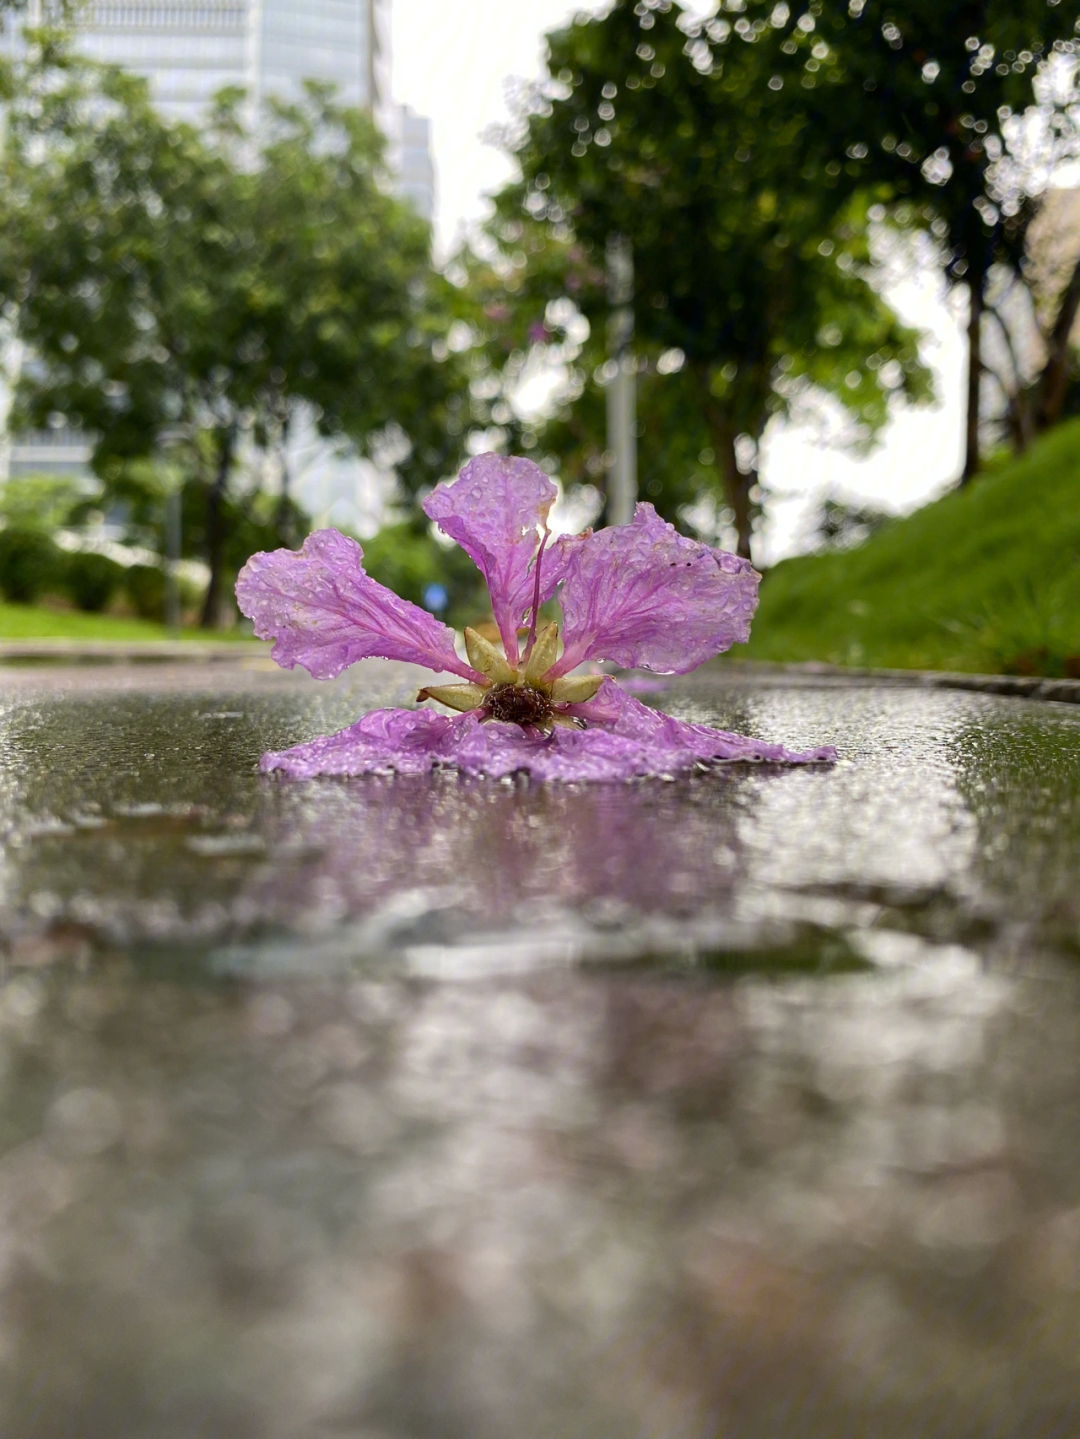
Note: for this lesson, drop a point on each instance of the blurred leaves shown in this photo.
(410, 561)
(188, 294)
(752, 261)
(44, 502)
(190, 298)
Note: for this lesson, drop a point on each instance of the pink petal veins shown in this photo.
(496, 510)
(644, 595)
(325, 613)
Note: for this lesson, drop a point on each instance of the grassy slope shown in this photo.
(984, 579)
(27, 622)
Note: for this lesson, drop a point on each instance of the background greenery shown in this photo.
(189, 297)
(985, 579)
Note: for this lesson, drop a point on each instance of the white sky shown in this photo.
(452, 62)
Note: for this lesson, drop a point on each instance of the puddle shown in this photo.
(739, 1104)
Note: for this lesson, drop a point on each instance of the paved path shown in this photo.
(66, 651)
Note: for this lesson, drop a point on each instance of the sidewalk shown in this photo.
(69, 651)
(1031, 687)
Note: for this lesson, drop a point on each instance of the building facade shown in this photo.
(190, 49)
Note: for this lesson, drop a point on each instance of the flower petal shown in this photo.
(644, 595)
(639, 742)
(325, 613)
(684, 744)
(408, 741)
(495, 510)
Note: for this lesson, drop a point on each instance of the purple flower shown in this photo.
(640, 596)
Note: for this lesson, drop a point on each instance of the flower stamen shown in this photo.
(518, 704)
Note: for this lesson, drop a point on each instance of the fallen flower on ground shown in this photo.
(640, 596)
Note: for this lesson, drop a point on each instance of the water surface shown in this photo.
(741, 1104)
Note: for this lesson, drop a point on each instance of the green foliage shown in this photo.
(916, 99)
(45, 502)
(28, 622)
(137, 489)
(92, 580)
(408, 560)
(191, 293)
(144, 586)
(31, 565)
(752, 295)
(841, 525)
(984, 579)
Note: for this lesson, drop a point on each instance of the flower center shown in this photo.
(517, 704)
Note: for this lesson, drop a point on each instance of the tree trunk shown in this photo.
(1018, 418)
(736, 484)
(974, 376)
(215, 531)
(1054, 380)
(284, 520)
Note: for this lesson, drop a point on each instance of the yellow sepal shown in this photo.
(455, 697)
(576, 689)
(545, 651)
(483, 656)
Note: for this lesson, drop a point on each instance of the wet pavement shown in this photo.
(743, 1104)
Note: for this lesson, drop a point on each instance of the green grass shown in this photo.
(30, 622)
(984, 579)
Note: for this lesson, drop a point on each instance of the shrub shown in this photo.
(144, 586)
(30, 564)
(92, 580)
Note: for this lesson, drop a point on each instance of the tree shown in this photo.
(186, 293)
(751, 288)
(922, 102)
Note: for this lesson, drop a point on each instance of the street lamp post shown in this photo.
(622, 446)
(172, 560)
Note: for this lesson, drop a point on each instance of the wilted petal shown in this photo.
(644, 595)
(495, 510)
(325, 613)
(636, 742)
(682, 744)
(408, 741)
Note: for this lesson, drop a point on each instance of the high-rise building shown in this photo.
(409, 153)
(189, 49)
